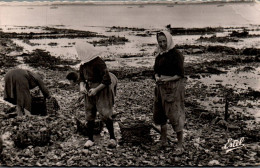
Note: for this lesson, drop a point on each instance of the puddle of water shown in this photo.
(240, 80)
(254, 110)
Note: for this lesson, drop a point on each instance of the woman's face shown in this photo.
(162, 41)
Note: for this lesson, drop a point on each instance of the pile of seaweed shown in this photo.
(7, 61)
(218, 49)
(52, 33)
(118, 29)
(112, 40)
(214, 39)
(41, 58)
(194, 31)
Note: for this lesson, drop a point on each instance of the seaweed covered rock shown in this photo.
(112, 40)
(214, 39)
(41, 58)
(1, 144)
(132, 73)
(7, 61)
(245, 33)
(251, 51)
(194, 31)
(253, 134)
(225, 49)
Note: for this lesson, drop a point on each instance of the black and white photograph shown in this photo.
(157, 83)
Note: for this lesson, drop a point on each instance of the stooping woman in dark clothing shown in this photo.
(18, 83)
(169, 90)
(99, 88)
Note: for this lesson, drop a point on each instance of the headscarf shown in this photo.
(170, 43)
(86, 52)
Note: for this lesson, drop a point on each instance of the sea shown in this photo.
(132, 15)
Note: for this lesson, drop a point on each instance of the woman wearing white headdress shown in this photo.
(98, 85)
(169, 90)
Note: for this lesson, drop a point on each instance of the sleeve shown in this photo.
(180, 64)
(42, 86)
(155, 67)
(101, 65)
(44, 90)
(81, 75)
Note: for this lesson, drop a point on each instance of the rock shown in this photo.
(1, 144)
(207, 116)
(63, 83)
(251, 51)
(222, 49)
(213, 162)
(197, 51)
(239, 34)
(10, 109)
(194, 76)
(233, 127)
(252, 134)
(223, 124)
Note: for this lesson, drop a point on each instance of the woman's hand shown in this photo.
(165, 78)
(157, 78)
(92, 92)
(82, 88)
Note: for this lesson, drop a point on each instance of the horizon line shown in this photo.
(131, 2)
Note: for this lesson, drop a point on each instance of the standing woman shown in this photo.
(169, 90)
(98, 86)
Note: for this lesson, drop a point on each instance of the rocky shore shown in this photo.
(215, 112)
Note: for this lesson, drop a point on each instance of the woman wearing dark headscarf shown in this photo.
(99, 88)
(169, 90)
(18, 83)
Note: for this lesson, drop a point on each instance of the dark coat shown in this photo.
(18, 83)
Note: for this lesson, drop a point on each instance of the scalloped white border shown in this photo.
(116, 2)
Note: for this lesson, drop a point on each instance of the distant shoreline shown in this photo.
(133, 3)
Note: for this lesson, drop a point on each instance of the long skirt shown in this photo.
(102, 102)
(169, 104)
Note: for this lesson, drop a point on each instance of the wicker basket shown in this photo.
(52, 106)
(24, 138)
(135, 132)
(39, 106)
